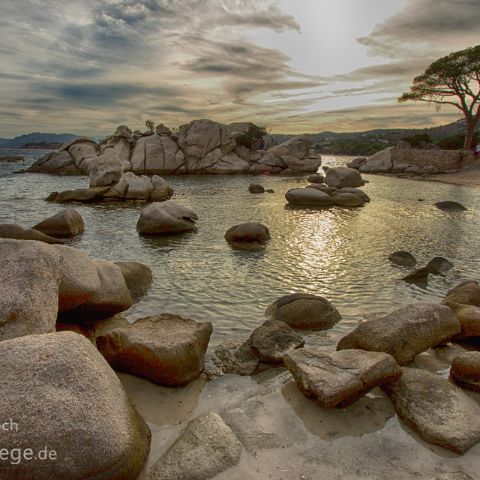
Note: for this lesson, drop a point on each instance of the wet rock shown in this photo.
(467, 293)
(354, 191)
(138, 278)
(341, 177)
(16, 232)
(204, 449)
(322, 187)
(403, 258)
(469, 318)
(273, 339)
(439, 411)
(404, 333)
(340, 378)
(465, 370)
(269, 190)
(81, 195)
(345, 199)
(166, 218)
(304, 311)
(165, 349)
(80, 411)
(248, 236)
(236, 356)
(65, 224)
(439, 265)
(105, 170)
(417, 276)
(309, 197)
(449, 205)
(256, 188)
(316, 178)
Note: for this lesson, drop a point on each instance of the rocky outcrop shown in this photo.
(404, 333)
(81, 412)
(340, 378)
(67, 223)
(105, 170)
(16, 232)
(166, 218)
(248, 236)
(201, 147)
(465, 370)
(439, 411)
(165, 349)
(342, 177)
(204, 449)
(304, 311)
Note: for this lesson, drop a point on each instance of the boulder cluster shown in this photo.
(202, 146)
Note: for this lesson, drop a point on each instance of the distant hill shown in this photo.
(36, 140)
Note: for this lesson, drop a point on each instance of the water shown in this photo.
(338, 253)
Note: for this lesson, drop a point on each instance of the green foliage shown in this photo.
(417, 140)
(350, 147)
(251, 137)
(150, 125)
(455, 142)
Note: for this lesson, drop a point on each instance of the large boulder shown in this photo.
(404, 333)
(304, 311)
(469, 318)
(204, 449)
(166, 218)
(138, 278)
(105, 170)
(70, 409)
(467, 293)
(340, 378)
(341, 177)
(465, 370)
(64, 224)
(439, 411)
(16, 232)
(248, 236)
(157, 154)
(380, 162)
(308, 197)
(166, 349)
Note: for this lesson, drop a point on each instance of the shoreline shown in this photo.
(462, 179)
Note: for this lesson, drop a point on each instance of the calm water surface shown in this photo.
(338, 253)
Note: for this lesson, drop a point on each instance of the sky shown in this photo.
(293, 66)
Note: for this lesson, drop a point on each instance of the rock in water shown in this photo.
(65, 224)
(448, 205)
(204, 449)
(465, 370)
(403, 258)
(309, 197)
(248, 236)
(439, 265)
(138, 278)
(65, 398)
(235, 355)
(467, 293)
(273, 339)
(316, 178)
(341, 177)
(346, 199)
(304, 311)
(256, 188)
(439, 411)
(165, 349)
(404, 333)
(105, 170)
(340, 378)
(16, 232)
(166, 218)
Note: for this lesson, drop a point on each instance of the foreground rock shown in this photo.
(67, 223)
(138, 278)
(449, 205)
(341, 177)
(340, 378)
(165, 349)
(166, 218)
(16, 232)
(465, 370)
(304, 311)
(248, 236)
(439, 411)
(204, 449)
(469, 318)
(403, 258)
(404, 333)
(236, 356)
(272, 340)
(466, 293)
(72, 386)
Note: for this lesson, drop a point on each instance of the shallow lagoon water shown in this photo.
(338, 253)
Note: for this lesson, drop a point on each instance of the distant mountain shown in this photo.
(36, 138)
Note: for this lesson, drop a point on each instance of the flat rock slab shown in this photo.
(404, 333)
(272, 340)
(63, 396)
(204, 449)
(165, 349)
(465, 370)
(438, 410)
(340, 378)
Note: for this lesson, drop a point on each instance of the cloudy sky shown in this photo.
(86, 66)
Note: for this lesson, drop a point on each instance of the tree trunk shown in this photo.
(469, 136)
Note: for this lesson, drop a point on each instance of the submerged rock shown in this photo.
(62, 394)
(341, 177)
(354, 191)
(81, 195)
(439, 411)
(403, 258)
(465, 370)
(309, 197)
(449, 205)
(64, 224)
(166, 218)
(248, 236)
(165, 349)
(256, 188)
(138, 278)
(204, 449)
(404, 333)
(346, 199)
(340, 378)
(304, 311)
(439, 265)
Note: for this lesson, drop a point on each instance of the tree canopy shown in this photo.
(452, 80)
